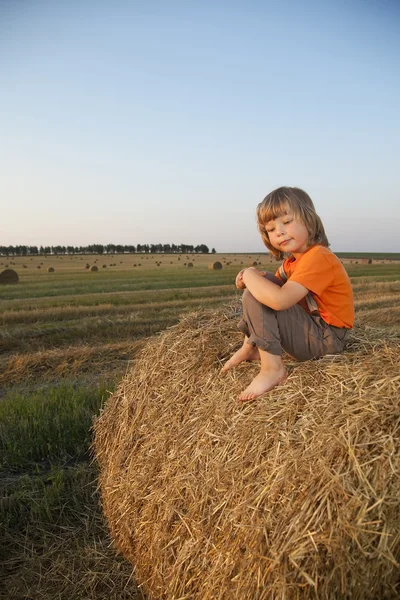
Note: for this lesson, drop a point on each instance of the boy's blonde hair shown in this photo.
(295, 201)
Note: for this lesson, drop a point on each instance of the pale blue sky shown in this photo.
(168, 121)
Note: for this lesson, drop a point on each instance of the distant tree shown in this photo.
(58, 249)
(213, 251)
(22, 250)
(202, 248)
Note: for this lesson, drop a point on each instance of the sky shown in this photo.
(144, 121)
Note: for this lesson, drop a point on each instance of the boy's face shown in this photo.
(288, 235)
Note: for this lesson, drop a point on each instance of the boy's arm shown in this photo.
(270, 294)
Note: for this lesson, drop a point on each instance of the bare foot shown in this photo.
(262, 383)
(246, 352)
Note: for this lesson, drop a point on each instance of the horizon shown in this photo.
(81, 250)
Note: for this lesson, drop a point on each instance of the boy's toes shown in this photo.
(246, 398)
(225, 368)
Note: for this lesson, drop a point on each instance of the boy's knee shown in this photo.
(248, 297)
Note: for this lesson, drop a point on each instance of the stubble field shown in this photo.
(67, 338)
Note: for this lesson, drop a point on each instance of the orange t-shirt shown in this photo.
(322, 273)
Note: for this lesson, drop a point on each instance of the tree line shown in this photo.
(105, 249)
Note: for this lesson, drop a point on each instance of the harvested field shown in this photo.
(67, 339)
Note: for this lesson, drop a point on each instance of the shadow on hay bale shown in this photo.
(215, 266)
(9, 276)
(294, 496)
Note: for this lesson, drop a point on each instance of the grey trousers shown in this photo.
(301, 335)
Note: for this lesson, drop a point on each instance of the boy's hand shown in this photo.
(240, 284)
(239, 280)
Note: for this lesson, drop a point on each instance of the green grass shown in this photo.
(47, 426)
(375, 271)
(114, 299)
(105, 282)
(59, 496)
(373, 255)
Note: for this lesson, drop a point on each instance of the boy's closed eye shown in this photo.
(271, 228)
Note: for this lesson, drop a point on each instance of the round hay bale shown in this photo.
(9, 276)
(296, 495)
(94, 268)
(104, 266)
(215, 266)
(50, 270)
(254, 263)
(190, 265)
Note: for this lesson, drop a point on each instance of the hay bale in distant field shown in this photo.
(190, 265)
(294, 496)
(94, 268)
(215, 266)
(50, 270)
(254, 263)
(9, 276)
(104, 267)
